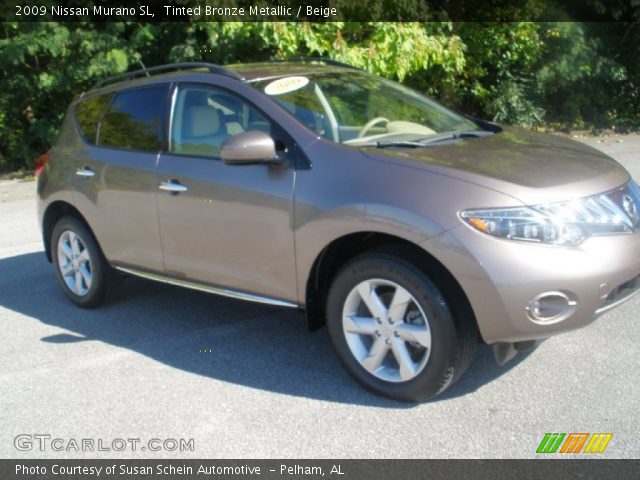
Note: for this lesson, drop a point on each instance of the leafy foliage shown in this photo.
(567, 74)
(43, 66)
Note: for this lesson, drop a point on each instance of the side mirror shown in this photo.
(249, 147)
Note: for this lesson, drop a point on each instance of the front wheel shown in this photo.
(393, 329)
(80, 266)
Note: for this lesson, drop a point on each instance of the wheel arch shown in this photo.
(54, 212)
(342, 249)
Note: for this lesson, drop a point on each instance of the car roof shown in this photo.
(247, 72)
(264, 70)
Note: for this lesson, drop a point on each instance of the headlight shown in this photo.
(563, 223)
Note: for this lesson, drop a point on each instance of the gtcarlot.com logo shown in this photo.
(26, 442)
(574, 442)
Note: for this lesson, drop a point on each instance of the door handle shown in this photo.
(172, 186)
(85, 172)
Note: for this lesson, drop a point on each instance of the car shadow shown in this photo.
(248, 344)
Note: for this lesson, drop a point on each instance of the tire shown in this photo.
(80, 266)
(435, 351)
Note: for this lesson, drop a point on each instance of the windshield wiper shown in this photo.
(442, 137)
(391, 143)
(454, 136)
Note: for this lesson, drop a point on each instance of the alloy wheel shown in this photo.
(74, 263)
(386, 330)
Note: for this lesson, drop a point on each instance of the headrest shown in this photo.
(201, 121)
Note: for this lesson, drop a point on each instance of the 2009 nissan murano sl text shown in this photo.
(412, 231)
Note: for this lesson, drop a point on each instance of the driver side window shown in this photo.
(204, 117)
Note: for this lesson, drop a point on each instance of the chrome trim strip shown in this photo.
(207, 288)
(620, 301)
(172, 106)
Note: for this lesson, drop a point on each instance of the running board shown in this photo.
(207, 288)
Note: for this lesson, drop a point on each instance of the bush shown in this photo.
(565, 74)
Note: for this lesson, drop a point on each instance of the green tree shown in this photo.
(43, 66)
(564, 74)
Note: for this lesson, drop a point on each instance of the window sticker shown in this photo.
(285, 85)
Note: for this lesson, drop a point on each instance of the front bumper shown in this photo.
(502, 277)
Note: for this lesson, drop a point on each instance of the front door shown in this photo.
(222, 225)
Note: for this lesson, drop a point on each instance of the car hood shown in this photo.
(532, 167)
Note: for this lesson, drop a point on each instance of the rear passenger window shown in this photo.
(88, 115)
(134, 120)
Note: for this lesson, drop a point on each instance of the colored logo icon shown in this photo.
(574, 442)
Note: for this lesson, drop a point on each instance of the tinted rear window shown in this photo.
(88, 115)
(134, 119)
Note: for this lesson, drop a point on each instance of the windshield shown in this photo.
(356, 107)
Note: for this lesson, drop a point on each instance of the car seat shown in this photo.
(202, 132)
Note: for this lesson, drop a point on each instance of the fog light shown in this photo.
(551, 307)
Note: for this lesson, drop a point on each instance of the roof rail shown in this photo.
(326, 61)
(211, 67)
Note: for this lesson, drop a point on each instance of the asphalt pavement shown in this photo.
(246, 381)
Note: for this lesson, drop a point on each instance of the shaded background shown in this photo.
(556, 74)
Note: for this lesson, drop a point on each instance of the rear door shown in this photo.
(115, 179)
(222, 225)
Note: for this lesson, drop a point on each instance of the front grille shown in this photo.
(627, 199)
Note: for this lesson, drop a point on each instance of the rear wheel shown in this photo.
(393, 329)
(80, 267)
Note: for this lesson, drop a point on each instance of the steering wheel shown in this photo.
(370, 124)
